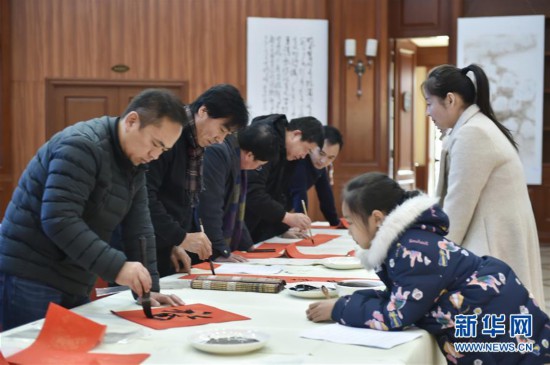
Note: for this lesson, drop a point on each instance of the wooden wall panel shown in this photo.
(6, 179)
(362, 120)
(540, 199)
(426, 18)
(473, 8)
(29, 122)
(200, 41)
(419, 18)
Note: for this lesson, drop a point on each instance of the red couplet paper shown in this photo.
(205, 266)
(57, 357)
(317, 240)
(181, 316)
(3, 360)
(66, 338)
(278, 247)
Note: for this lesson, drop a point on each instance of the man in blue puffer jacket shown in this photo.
(81, 184)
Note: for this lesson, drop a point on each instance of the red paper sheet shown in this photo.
(3, 360)
(205, 266)
(181, 316)
(279, 251)
(66, 338)
(317, 240)
(48, 356)
(323, 227)
(288, 279)
(344, 222)
(289, 249)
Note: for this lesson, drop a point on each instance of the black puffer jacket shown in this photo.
(266, 199)
(74, 192)
(169, 200)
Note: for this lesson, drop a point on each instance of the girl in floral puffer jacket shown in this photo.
(432, 283)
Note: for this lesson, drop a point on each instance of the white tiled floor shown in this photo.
(545, 260)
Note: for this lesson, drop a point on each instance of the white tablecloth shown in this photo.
(280, 315)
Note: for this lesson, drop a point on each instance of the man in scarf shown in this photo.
(174, 181)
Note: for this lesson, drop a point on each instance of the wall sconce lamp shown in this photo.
(371, 47)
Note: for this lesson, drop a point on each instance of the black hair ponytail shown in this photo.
(483, 99)
(446, 79)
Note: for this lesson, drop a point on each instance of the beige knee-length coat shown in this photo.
(483, 190)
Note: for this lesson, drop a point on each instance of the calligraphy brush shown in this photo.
(325, 291)
(309, 229)
(146, 297)
(209, 259)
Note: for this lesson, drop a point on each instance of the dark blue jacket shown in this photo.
(72, 195)
(430, 281)
(266, 200)
(222, 167)
(306, 176)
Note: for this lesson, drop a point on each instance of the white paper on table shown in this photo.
(285, 261)
(320, 224)
(361, 336)
(230, 268)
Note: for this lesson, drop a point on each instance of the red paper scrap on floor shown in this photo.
(293, 252)
(288, 279)
(317, 240)
(181, 316)
(66, 338)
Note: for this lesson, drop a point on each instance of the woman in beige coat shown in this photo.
(481, 185)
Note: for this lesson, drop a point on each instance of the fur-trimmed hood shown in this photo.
(397, 222)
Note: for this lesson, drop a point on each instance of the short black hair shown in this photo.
(333, 136)
(260, 139)
(311, 128)
(154, 104)
(223, 101)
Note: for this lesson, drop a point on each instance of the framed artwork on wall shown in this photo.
(510, 50)
(287, 67)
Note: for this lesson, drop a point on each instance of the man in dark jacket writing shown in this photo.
(174, 181)
(82, 183)
(312, 171)
(223, 200)
(266, 209)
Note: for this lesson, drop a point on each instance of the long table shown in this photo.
(281, 315)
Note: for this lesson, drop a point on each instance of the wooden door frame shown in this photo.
(51, 84)
(397, 107)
